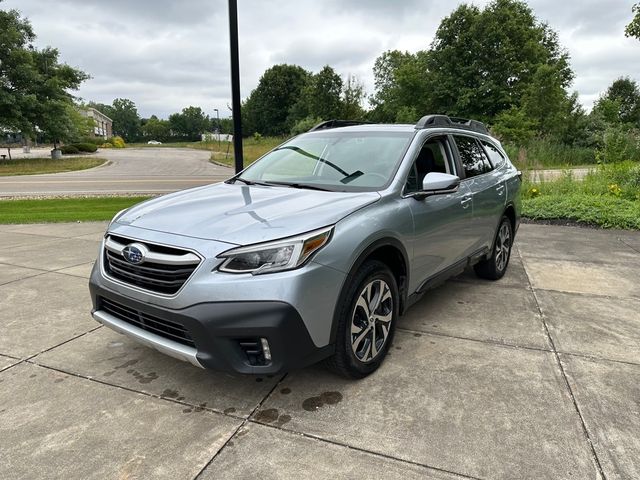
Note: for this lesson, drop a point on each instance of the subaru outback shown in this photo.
(314, 251)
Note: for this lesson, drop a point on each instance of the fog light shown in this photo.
(265, 349)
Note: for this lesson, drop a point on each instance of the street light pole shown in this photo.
(235, 85)
(218, 129)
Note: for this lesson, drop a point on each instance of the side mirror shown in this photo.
(436, 183)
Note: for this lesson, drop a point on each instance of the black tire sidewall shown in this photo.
(368, 272)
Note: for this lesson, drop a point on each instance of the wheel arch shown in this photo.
(392, 253)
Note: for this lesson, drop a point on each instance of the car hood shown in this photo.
(242, 214)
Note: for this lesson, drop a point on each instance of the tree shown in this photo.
(320, 97)
(402, 87)
(126, 121)
(34, 86)
(190, 123)
(353, 96)
(268, 107)
(156, 129)
(633, 29)
(620, 103)
(482, 61)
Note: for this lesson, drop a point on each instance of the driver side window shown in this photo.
(434, 156)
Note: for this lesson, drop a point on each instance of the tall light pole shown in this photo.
(235, 85)
(218, 129)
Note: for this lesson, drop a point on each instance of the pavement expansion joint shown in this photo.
(242, 424)
(567, 384)
(477, 340)
(363, 450)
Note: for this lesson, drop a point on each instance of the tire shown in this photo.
(495, 266)
(365, 333)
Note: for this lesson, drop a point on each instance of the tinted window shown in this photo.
(497, 159)
(433, 157)
(472, 156)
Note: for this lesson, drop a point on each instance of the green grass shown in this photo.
(64, 209)
(608, 197)
(33, 166)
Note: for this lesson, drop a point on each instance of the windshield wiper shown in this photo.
(306, 186)
(248, 182)
(353, 176)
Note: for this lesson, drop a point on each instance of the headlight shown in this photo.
(275, 256)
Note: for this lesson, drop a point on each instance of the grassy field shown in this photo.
(252, 149)
(609, 197)
(64, 210)
(33, 166)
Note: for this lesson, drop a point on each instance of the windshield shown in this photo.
(340, 161)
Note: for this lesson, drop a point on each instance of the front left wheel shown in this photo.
(366, 321)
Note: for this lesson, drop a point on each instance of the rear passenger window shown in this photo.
(472, 155)
(497, 159)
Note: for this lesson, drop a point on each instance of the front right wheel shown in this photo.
(366, 321)
(495, 266)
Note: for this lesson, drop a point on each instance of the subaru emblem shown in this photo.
(134, 253)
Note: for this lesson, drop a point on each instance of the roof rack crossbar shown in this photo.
(336, 124)
(444, 121)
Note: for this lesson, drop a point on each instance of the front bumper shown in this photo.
(218, 330)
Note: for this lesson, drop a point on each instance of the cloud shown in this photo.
(165, 55)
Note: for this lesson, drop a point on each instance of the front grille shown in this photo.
(159, 326)
(165, 271)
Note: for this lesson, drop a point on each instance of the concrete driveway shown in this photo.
(535, 376)
(131, 170)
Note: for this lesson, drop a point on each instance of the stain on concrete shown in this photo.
(127, 364)
(33, 376)
(417, 334)
(228, 411)
(285, 391)
(269, 415)
(312, 404)
(180, 398)
(258, 379)
(230, 443)
(200, 407)
(58, 380)
(282, 419)
(148, 378)
(187, 410)
(398, 348)
(170, 393)
(108, 374)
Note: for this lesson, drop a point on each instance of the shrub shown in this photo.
(117, 142)
(86, 147)
(619, 145)
(69, 149)
(97, 141)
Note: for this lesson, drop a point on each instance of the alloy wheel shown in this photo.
(371, 320)
(503, 247)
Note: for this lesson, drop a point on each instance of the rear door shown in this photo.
(486, 187)
(442, 223)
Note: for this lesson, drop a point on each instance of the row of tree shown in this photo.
(187, 125)
(498, 64)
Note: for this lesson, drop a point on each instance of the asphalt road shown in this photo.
(131, 170)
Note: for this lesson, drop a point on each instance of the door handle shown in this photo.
(500, 189)
(465, 202)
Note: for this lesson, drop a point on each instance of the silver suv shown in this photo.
(314, 251)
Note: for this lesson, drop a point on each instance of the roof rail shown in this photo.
(443, 121)
(336, 124)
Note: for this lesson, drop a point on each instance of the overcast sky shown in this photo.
(167, 54)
